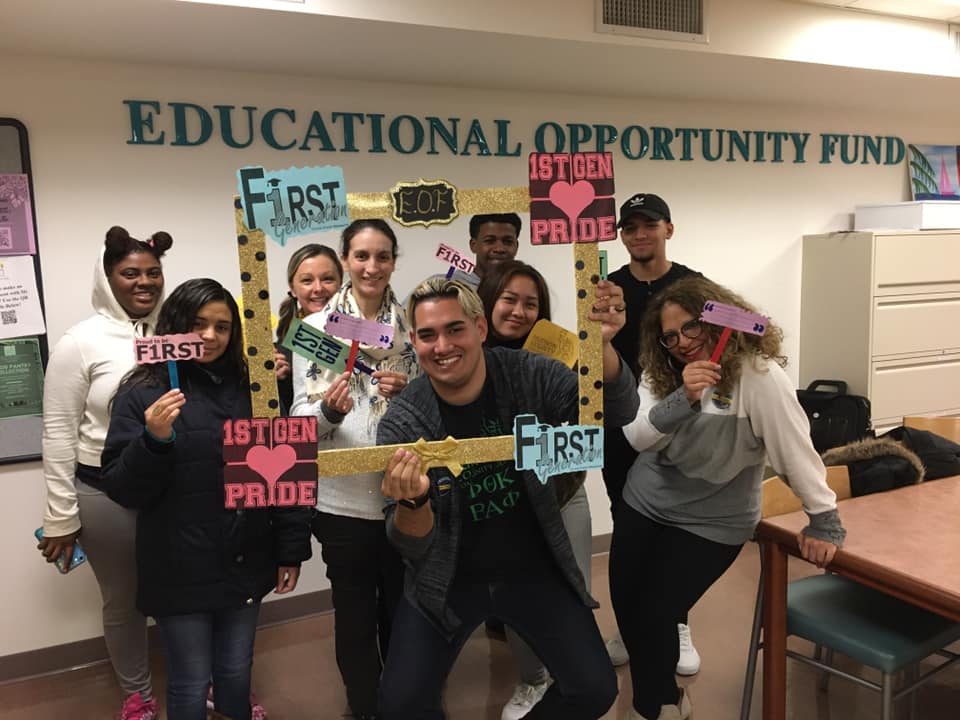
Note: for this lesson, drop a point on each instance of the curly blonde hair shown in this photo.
(664, 373)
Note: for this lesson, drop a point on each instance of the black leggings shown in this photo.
(657, 573)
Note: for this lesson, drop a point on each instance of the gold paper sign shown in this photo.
(550, 339)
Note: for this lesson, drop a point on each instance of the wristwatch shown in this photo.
(416, 502)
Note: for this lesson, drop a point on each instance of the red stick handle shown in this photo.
(721, 344)
(352, 357)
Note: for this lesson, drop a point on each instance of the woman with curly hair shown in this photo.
(692, 498)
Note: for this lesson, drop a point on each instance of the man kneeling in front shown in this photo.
(491, 541)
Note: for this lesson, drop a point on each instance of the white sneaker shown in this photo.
(524, 698)
(617, 651)
(689, 662)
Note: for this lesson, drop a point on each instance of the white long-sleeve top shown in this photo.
(701, 468)
(83, 373)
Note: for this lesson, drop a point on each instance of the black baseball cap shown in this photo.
(646, 204)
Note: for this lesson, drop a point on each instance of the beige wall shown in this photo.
(740, 223)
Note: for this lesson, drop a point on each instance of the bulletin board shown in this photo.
(23, 338)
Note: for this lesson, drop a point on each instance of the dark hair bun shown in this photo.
(161, 242)
(118, 239)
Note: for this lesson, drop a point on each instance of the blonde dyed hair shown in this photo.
(436, 288)
(665, 373)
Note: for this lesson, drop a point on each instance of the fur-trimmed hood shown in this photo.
(870, 449)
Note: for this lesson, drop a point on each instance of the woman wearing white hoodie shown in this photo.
(84, 372)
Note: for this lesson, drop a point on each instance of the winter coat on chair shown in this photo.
(193, 555)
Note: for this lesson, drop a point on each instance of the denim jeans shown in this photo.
(545, 612)
(201, 646)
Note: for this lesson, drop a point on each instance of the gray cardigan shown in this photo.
(523, 383)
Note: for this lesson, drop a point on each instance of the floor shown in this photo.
(296, 678)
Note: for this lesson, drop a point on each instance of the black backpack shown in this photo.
(835, 417)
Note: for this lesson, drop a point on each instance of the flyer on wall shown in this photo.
(20, 313)
(16, 216)
(21, 378)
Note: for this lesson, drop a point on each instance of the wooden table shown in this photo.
(905, 543)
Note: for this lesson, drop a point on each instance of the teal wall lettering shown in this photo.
(871, 147)
(643, 142)
(503, 137)
(317, 130)
(686, 137)
(579, 135)
(778, 138)
(605, 135)
(376, 132)
(225, 114)
(448, 136)
(662, 137)
(559, 139)
(895, 151)
(828, 142)
(849, 149)
(476, 137)
(139, 122)
(394, 134)
(799, 145)
(349, 137)
(739, 142)
(266, 127)
(705, 134)
(180, 124)
(759, 146)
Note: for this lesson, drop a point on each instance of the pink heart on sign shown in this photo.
(271, 464)
(572, 199)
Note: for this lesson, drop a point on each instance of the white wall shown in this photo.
(740, 223)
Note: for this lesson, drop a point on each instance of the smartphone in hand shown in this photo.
(79, 557)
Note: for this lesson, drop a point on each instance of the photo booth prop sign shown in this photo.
(452, 257)
(293, 202)
(270, 462)
(731, 318)
(548, 450)
(572, 198)
(424, 202)
(358, 330)
(168, 349)
(550, 339)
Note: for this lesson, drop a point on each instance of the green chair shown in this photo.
(875, 629)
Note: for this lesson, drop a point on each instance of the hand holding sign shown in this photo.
(169, 349)
(730, 318)
(159, 417)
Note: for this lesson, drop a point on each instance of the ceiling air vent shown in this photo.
(683, 20)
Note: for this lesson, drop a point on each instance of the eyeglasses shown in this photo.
(691, 330)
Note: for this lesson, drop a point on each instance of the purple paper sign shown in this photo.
(733, 317)
(161, 348)
(16, 217)
(452, 256)
(369, 332)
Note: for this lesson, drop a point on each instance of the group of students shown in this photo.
(417, 560)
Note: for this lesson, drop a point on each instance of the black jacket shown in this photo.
(193, 555)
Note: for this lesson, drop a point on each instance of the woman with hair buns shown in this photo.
(314, 275)
(704, 432)
(83, 374)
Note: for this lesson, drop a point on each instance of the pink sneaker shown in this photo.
(257, 711)
(136, 708)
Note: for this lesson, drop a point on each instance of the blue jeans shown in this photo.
(201, 646)
(544, 611)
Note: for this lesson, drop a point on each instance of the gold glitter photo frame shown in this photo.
(451, 452)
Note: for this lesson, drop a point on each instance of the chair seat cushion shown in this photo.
(876, 629)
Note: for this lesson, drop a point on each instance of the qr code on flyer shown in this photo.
(8, 317)
(6, 238)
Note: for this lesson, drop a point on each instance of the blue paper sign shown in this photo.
(292, 202)
(549, 450)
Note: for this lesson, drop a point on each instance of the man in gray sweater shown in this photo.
(491, 541)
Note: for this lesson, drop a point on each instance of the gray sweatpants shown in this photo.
(576, 520)
(108, 538)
